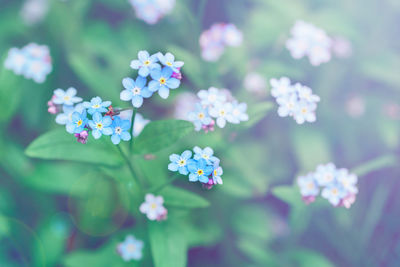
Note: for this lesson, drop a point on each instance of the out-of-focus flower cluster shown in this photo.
(296, 100)
(130, 249)
(151, 11)
(214, 40)
(96, 116)
(33, 61)
(34, 11)
(203, 167)
(338, 186)
(217, 104)
(308, 40)
(153, 208)
(163, 71)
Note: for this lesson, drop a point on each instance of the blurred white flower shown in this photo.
(153, 207)
(151, 11)
(255, 83)
(34, 11)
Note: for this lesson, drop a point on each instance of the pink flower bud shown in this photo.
(82, 137)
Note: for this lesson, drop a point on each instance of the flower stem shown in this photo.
(131, 169)
(131, 130)
(160, 187)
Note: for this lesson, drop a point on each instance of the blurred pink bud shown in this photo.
(82, 137)
(309, 199)
(209, 127)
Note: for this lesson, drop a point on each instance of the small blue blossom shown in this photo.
(216, 174)
(206, 154)
(96, 105)
(100, 125)
(135, 91)
(199, 117)
(162, 81)
(145, 63)
(67, 97)
(325, 174)
(168, 60)
(120, 130)
(334, 192)
(199, 170)
(78, 122)
(179, 163)
(308, 185)
(130, 249)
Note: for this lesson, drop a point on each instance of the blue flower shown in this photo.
(334, 192)
(308, 185)
(120, 130)
(78, 122)
(199, 170)
(145, 64)
(100, 125)
(67, 97)
(179, 163)
(199, 117)
(130, 249)
(206, 154)
(168, 60)
(96, 105)
(162, 81)
(216, 175)
(135, 91)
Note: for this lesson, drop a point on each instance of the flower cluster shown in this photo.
(296, 100)
(308, 40)
(151, 11)
(33, 61)
(338, 185)
(130, 249)
(162, 77)
(214, 40)
(96, 116)
(203, 167)
(153, 208)
(219, 105)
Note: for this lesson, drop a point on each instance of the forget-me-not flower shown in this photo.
(199, 117)
(325, 174)
(67, 97)
(163, 82)
(130, 249)
(135, 91)
(120, 130)
(100, 125)
(308, 185)
(238, 113)
(179, 163)
(169, 60)
(223, 113)
(145, 63)
(78, 122)
(199, 170)
(206, 154)
(96, 105)
(211, 96)
(334, 192)
(153, 207)
(216, 175)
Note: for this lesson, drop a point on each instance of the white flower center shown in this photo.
(118, 130)
(212, 97)
(136, 91)
(182, 163)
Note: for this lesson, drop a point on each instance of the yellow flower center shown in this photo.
(153, 206)
(222, 112)
(147, 62)
(200, 172)
(66, 98)
(310, 186)
(169, 64)
(304, 110)
(335, 191)
(201, 115)
(130, 248)
(162, 80)
(96, 106)
(182, 162)
(215, 172)
(79, 123)
(99, 125)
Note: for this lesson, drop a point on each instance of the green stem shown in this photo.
(131, 130)
(131, 169)
(376, 164)
(160, 187)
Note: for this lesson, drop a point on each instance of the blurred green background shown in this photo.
(59, 213)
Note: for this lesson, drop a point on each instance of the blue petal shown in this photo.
(173, 167)
(135, 64)
(203, 179)
(107, 131)
(173, 83)
(143, 55)
(146, 93)
(125, 136)
(137, 101)
(174, 157)
(144, 71)
(107, 121)
(193, 177)
(186, 154)
(183, 170)
(208, 170)
(96, 134)
(125, 125)
(97, 117)
(115, 138)
(166, 72)
(155, 74)
(141, 82)
(163, 92)
(154, 86)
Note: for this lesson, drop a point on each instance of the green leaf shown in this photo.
(306, 258)
(58, 144)
(288, 193)
(158, 135)
(168, 243)
(178, 197)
